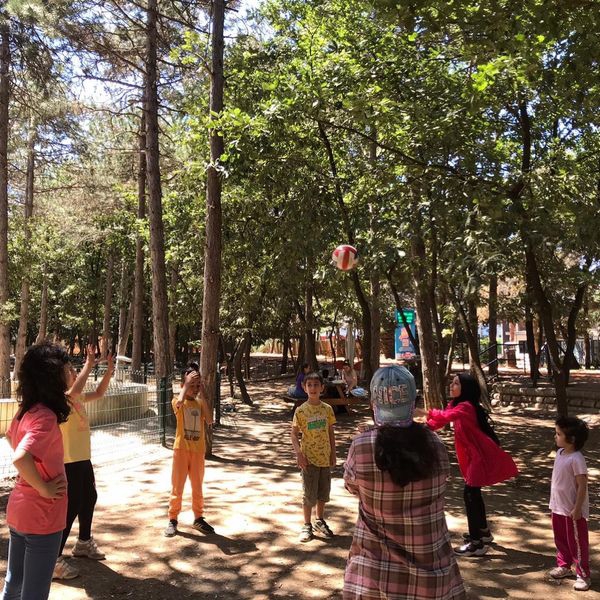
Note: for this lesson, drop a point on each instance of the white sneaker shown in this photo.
(472, 549)
(582, 585)
(63, 570)
(560, 572)
(88, 549)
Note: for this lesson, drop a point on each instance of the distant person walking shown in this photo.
(401, 546)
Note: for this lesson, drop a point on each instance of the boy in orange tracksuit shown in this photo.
(192, 412)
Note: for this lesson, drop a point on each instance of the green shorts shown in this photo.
(316, 484)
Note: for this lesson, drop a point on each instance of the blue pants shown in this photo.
(31, 560)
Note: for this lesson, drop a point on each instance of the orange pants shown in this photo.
(186, 464)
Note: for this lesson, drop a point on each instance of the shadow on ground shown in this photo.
(253, 499)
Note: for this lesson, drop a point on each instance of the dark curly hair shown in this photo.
(576, 431)
(42, 380)
(408, 454)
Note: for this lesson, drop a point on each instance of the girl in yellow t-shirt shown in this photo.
(81, 489)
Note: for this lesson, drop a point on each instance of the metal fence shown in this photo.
(131, 415)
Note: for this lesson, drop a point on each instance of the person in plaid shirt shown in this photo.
(401, 547)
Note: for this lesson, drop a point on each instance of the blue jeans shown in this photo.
(31, 560)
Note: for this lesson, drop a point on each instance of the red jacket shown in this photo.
(482, 462)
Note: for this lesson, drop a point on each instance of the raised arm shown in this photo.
(104, 382)
(77, 388)
(437, 418)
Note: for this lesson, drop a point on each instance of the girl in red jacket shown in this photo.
(480, 459)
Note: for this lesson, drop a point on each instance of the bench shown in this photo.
(340, 401)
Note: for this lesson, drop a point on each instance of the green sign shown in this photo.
(409, 314)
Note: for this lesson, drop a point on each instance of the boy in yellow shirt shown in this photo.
(193, 414)
(315, 454)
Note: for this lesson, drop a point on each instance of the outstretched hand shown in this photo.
(90, 357)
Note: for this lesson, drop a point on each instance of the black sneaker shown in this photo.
(471, 549)
(201, 525)
(487, 537)
(323, 528)
(171, 528)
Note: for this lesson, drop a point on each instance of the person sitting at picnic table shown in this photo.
(349, 377)
(297, 391)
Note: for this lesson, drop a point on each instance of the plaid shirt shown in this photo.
(401, 548)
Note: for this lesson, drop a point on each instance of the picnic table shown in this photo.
(340, 400)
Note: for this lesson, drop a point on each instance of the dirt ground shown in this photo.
(253, 500)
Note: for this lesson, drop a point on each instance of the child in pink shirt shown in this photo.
(569, 503)
(37, 506)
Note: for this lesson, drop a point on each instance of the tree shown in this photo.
(213, 244)
(5, 309)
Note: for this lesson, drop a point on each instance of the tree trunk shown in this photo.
(587, 345)
(248, 341)
(126, 332)
(433, 393)
(449, 356)
(300, 358)
(237, 365)
(229, 355)
(160, 305)
(138, 278)
(212, 251)
(472, 345)
(493, 325)
(310, 349)
(375, 323)
(560, 370)
(21, 342)
(534, 372)
(284, 353)
(365, 309)
(473, 330)
(173, 317)
(43, 312)
(108, 293)
(126, 309)
(5, 59)
(375, 281)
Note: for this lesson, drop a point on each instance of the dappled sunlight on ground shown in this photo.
(253, 495)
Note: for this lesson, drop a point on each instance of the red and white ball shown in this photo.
(345, 257)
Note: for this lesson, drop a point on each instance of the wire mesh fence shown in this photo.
(134, 412)
(133, 415)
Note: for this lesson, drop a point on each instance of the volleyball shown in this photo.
(345, 257)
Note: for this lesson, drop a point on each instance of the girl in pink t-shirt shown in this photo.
(569, 503)
(37, 506)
